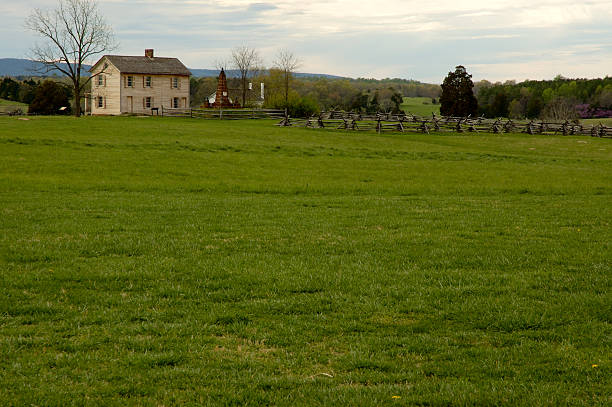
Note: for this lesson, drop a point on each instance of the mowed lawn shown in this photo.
(5, 102)
(157, 261)
(9, 105)
(420, 106)
(594, 122)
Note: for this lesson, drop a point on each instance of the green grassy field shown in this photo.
(156, 261)
(605, 122)
(4, 102)
(420, 106)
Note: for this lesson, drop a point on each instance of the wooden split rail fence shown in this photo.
(224, 114)
(13, 110)
(385, 122)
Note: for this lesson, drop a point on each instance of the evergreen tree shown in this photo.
(359, 102)
(374, 105)
(500, 105)
(457, 97)
(397, 101)
(49, 98)
(9, 89)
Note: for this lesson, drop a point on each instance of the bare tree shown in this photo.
(248, 62)
(287, 63)
(72, 33)
(222, 63)
(561, 108)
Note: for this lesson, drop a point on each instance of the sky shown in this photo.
(496, 40)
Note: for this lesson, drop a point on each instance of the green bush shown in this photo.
(50, 96)
(296, 106)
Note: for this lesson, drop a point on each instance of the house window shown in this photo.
(100, 80)
(175, 83)
(100, 101)
(147, 81)
(148, 102)
(129, 81)
(175, 103)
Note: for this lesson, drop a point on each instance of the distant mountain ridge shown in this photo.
(234, 73)
(25, 67)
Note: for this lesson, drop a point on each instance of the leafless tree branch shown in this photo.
(287, 63)
(222, 64)
(248, 62)
(71, 34)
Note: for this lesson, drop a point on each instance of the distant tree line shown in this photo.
(309, 95)
(560, 98)
(42, 96)
(18, 91)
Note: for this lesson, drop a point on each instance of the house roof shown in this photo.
(146, 65)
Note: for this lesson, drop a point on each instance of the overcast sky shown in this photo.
(496, 40)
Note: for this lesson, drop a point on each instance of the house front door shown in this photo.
(130, 104)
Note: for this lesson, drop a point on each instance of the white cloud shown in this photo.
(407, 38)
(543, 69)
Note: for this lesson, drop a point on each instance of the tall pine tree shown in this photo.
(457, 97)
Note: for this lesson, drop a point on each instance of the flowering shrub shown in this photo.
(586, 111)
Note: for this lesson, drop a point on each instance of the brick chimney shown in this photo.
(149, 53)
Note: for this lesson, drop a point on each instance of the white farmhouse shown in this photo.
(132, 84)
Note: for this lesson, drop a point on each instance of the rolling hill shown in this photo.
(24, 68)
